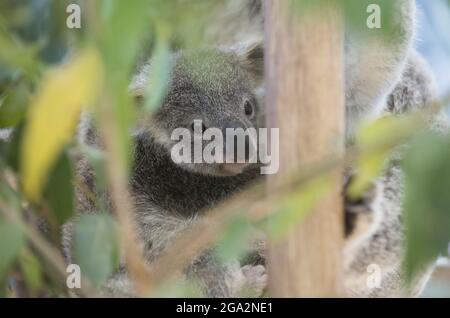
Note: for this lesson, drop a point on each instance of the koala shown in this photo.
(376, 237)
(222, 85)
(220, 88)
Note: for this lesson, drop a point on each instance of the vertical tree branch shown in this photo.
(305, 97)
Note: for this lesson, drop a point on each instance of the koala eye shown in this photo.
(249, 109)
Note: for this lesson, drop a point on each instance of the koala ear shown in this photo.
(139, 83)
(252, 59)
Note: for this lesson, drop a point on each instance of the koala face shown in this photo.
(217, 89)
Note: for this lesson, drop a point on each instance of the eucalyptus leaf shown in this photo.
(125, 24)
(96, 247)
(54, 114)
(59, 191)
(374, 140)
(427, 201)
(356, 15)
(32, 271)
(13, 105)
(11, 242)
(12, 147)
(234, 240)
(160, 75)
(178, 289)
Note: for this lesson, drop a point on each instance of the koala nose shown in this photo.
(236, 142)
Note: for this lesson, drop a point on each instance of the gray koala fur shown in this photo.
(168, 198)
(380, 240)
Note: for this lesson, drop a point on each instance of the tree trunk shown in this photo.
(305, 100)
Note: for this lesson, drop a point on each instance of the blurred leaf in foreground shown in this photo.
(96, 247)
(125, 26)
(159, 76)
(13, 105)
(31, 270)
(357, 13)
(234, 241)
(178, 289)
(369, 166)
(374, 140)
(15, 55)
(427, 201)
(11, 242)
(59, 190)
(11, 148)
(53, 116)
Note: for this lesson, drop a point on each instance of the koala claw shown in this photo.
(256, 278)
(250, 281)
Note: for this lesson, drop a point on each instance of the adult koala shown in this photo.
(384, 75)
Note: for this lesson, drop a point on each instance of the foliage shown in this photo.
(49, 74)
(427, 203)
(54, 114)
(95, 246)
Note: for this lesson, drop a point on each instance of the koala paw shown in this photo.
(249, 281)
(359, 215)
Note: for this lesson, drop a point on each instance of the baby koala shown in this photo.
(209, 88)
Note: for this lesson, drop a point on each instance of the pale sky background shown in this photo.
(434, 39)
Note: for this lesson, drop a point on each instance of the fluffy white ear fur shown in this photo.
(251, 56)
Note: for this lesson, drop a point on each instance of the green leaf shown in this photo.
(373, 140)
(356, 17)
(125, 26)
(15, 54)
(96, 247)
(160, 75)
(11, 242)
(59, 191)
(13, 105)
(235, 237)
(10, 197)
(178, 289)
(12, 148)
(427, 201)
(32, 271)
(54, 114)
